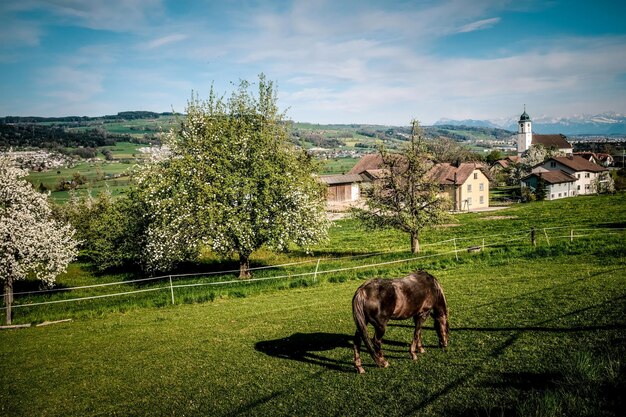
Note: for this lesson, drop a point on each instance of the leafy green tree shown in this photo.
(406, 197)
(111, 232)
(493, 156)
(541, 191)
(444, 149)
(233, 181)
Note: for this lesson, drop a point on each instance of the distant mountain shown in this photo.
(599, 124)
(466, 122)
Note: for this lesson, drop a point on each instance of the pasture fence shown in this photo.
(456, 246)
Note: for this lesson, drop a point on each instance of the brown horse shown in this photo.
(380, 300)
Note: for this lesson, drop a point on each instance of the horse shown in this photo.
(379, 300)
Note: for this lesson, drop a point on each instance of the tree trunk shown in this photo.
(8, 298)
(415, 242)
(244, 266)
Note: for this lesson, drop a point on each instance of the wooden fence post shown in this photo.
(571, 235)
(533, 237)
(316, 268)
(8, 299)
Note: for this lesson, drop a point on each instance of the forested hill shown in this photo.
(125, 115)
(145, 127)
(82, 131)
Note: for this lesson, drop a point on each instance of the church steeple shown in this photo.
(524, 133)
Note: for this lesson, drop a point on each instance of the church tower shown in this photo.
(524, 133)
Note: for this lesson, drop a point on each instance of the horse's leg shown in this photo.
(357, 355)
(378, 342)
(417, 336)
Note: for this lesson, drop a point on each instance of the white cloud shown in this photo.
(114, 15)
(70, 85)
(165, 40)
(479, 25)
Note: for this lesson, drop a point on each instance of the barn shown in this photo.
(343, 188)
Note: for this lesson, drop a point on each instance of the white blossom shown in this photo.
(32, 244)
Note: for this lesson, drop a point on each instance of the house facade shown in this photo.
(557, 184)
(586, 173)
(466, 184)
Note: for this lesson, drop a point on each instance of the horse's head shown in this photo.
(441, 326)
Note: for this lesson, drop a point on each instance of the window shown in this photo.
(475, 175)
(481, 187)
(552, 164)
(578, 176)
(578, 187)
(586, 175)
(482, 199)
(469, 188)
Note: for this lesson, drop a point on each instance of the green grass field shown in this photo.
(535, 331)
(338, 165)
(100, 174)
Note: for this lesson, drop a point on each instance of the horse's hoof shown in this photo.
(422, 350)
(385, 364)
(413, 356)
(360, 370)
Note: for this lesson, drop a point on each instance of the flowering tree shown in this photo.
(233, 181)
(32, 244)
(405, 198)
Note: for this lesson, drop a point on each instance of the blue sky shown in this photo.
(379, 62)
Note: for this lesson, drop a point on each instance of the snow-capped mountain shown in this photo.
(600, 124)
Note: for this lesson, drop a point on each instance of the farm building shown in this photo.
(586, 173)
(467, 184)
(342, 188)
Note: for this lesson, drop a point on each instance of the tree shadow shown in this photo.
(31, 285)
(309, 348)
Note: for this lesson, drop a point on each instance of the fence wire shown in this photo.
(514, 237)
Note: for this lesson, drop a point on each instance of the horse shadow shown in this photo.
(310, 348)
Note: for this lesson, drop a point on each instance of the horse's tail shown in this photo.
(359, 319)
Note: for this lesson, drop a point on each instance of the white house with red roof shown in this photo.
(585, 173)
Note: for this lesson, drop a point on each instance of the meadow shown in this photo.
(535, 330)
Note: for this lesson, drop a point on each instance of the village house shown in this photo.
(557, 184)
(603, 159)
(586, 174)
(466, 184)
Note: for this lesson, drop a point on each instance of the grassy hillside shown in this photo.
(534, 331)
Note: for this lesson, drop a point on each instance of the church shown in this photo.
(526, 138)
